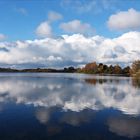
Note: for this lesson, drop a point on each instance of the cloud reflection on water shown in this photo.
(71, 93)
(125, 126)
(67, 100)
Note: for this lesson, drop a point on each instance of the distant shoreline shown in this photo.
(90, 68)
(39, 70)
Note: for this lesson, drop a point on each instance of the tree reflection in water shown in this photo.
(70, 106)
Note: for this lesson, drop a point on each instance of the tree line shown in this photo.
(90, 68)
(94, 68)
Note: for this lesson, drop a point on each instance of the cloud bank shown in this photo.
(73, 50)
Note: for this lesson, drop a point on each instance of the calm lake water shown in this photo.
(39, 106)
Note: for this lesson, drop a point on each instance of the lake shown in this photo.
(53, 106)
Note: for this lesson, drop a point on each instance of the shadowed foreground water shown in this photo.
(68, 107)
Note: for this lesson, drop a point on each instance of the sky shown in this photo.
(61, 33)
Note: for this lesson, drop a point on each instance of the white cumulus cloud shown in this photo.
(44, 30)
(52, 16)
(2, 37)
(76, 26)
(125, 20)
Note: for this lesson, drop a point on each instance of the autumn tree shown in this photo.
(135, 72)
(105, 68)
(135, 67)
(100, 68)
(126, 70)
(110, 69)
(91, 68)
(117, 69)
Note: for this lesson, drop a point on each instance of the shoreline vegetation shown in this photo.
(90, 68)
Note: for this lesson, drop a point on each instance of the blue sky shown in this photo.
(17, 24)
(23, 20)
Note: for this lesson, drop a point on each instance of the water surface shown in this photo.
(40, 106)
